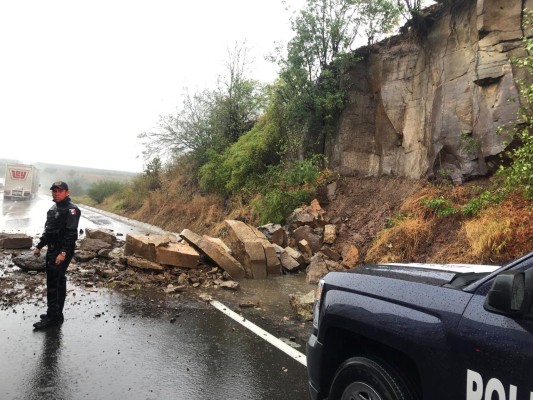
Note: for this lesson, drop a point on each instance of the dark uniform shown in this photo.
(60, 235)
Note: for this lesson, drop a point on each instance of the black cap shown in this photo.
(59, 185)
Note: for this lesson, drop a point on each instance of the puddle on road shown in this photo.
(117, 346)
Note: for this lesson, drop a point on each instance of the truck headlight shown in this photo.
(316, 305)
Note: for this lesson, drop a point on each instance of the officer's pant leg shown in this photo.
(56, 288)
(63, 283)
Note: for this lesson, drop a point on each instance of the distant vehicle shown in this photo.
(21, 182)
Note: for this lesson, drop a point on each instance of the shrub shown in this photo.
(277, 204)
(440, 206)
(102, 189)
(475, 205)
(519, 174)
(243, 162)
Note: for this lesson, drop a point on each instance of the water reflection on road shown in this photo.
(115, 347)
(29, 217)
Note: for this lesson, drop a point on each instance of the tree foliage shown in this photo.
(312, 71)
(102, 189)
(519, 173)
(379, 17)
(210, 120)
(259, 142)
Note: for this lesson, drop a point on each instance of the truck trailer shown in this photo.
(21, 182)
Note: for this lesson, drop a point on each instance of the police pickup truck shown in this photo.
(424, 332)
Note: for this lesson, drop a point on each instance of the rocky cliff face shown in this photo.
(419, 107)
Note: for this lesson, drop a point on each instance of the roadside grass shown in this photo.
(427, 230)
(84, 200)
(487, 235)
(405, 241)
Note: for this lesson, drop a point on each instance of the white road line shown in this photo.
(291, 352)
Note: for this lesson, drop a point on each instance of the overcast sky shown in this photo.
(79, 80)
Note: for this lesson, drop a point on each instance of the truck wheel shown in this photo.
(361, 378)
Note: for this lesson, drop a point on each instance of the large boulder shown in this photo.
(178, 255)
(145, 246)
(105, 235)
(253, 250)
(215, 253)
(28, 262)
(15, 241)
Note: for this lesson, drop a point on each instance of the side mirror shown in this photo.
(512, 294)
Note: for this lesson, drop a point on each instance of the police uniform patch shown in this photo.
(73, 211)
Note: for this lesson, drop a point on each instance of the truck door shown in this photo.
(494, 350)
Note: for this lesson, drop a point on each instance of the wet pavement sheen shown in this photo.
(113, 346)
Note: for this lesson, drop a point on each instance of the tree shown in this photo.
(312, 71)
(188, 130)
(379, 17)
(210, 120)
(412, 7)
(152, 174)
(238, 100)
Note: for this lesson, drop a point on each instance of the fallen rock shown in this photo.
(306, 233)
(106, 235)
(247, 244)
(94, 245)
(28, 262)
(305, 249)
(287, 262)
(275, 233)
(142, 263)
(330, 253)
(330, 234)
(219, 242)
(15, 241)
(303, 305)
(84, 255)
(316, 270)
(178, 255)
(230, 285)
(145, 246)
(215, 253)
(350, 257)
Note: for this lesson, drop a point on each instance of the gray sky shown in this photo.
(79, 80)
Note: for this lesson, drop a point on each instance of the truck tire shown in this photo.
(369, 379)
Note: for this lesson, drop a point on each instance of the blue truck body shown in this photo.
(434, 331)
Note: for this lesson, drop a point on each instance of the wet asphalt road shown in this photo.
(115, 346)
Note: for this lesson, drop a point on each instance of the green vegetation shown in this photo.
(518, 173)
(440, 206)
(475, 205)
(264, 144)
(102, 189)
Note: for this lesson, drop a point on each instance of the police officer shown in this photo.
(60, 235)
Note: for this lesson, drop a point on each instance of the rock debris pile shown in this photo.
(174, 263)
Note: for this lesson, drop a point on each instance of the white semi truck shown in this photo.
(21, 182)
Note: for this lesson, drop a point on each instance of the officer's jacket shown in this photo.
(61, 228)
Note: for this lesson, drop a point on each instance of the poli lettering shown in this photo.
(493, 390)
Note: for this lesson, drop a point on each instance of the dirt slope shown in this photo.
(363, 205)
